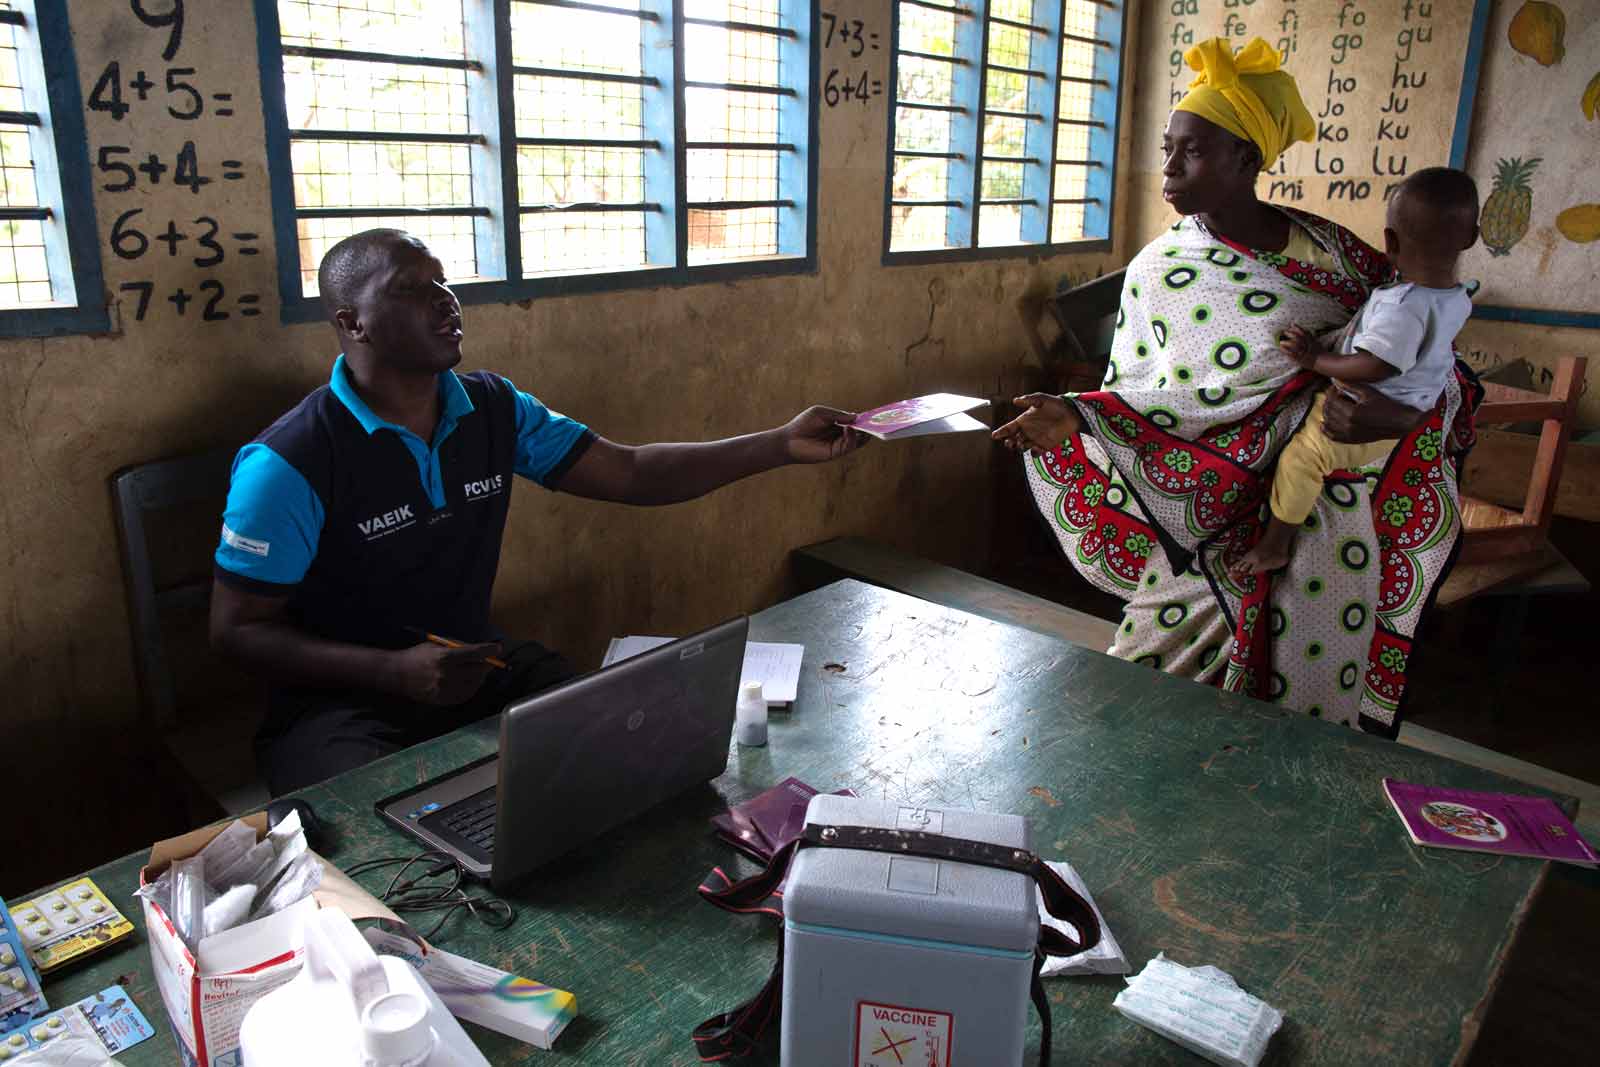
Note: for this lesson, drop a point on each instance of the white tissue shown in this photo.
(1201, 1008)
(229, 910)
(1105, 958)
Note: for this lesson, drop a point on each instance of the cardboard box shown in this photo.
(206, 999)
(517, 1007)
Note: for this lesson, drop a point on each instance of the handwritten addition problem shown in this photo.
(123, 168)
(844, 86)
(1347, 173)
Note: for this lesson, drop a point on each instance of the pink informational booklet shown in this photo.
(934, 413)
(1502, 823)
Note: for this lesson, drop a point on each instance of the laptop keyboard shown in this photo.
(473, 819)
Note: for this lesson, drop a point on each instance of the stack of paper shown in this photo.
(775, 666)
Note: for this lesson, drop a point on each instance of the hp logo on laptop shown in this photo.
(635, 720)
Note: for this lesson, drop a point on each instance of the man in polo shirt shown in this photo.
(371, 515)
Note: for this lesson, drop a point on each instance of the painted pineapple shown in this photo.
(1505, 214)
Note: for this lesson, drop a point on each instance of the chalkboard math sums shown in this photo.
(849, 86)
(184, 100)
(209, 301)
(115, 160)
(129, 241)
(841, 87)
(848, 33)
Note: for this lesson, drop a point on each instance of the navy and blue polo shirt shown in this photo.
(370, 530)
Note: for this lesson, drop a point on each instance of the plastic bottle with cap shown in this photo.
(349, 1007)
(750, 716)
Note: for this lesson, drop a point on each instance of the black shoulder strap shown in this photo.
(738, 1032)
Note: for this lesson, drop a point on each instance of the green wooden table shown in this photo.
(1215, 829)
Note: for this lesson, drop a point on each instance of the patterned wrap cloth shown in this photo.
(1168, 482)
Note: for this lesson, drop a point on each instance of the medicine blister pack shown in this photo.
(47, 1029)
(69, 922)
(94, 1028)
(20, 996)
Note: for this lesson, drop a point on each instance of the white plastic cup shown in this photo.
(750, 716)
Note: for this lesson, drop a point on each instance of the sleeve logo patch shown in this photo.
(245, 544)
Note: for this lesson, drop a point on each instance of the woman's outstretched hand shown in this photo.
(1047, 421)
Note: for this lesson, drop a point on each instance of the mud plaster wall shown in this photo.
(1385, 100)
(669, 363)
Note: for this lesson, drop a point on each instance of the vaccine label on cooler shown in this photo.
(888, 1035)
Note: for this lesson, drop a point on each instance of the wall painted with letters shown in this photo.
(1383, 79)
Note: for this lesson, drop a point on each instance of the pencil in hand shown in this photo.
(451, 643)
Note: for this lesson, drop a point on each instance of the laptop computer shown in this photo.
(584, 757)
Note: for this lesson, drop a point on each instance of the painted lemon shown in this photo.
(1591, 99)
(1580, 223)
(1538, 31)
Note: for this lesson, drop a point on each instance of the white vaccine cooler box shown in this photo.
(901, 961)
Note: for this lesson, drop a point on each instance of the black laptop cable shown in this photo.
(437, 888)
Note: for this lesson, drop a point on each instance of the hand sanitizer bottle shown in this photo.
(750, 716)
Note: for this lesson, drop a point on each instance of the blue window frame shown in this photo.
(544, 146)
(1003, 134)
(50, 280)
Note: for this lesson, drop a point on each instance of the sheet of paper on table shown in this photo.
(775, 666)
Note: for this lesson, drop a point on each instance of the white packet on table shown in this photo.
(303, 875)
(260, 863)
(190, 895)
(288, 849)
(1105, 958)
(250, 867)
(224, 850)
(1201, 1008)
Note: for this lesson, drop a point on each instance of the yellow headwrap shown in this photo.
(1247, 95)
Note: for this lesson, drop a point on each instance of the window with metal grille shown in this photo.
(49, 262)
(1002, 137)
(545, 145)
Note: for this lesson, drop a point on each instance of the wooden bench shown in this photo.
(868, 561)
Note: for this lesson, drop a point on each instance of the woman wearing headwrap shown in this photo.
(1157, 482)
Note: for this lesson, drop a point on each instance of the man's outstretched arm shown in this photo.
(669, 473)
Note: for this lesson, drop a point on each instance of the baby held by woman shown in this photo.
(1400, 343)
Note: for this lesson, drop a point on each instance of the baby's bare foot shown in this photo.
(1262, 559)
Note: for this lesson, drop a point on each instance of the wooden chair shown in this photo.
(1022, 551)
(204, 712)
(1494, 533)
(1085, 318)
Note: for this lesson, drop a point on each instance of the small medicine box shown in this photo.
(902, 960)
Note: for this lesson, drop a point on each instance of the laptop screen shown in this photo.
(580, 759)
